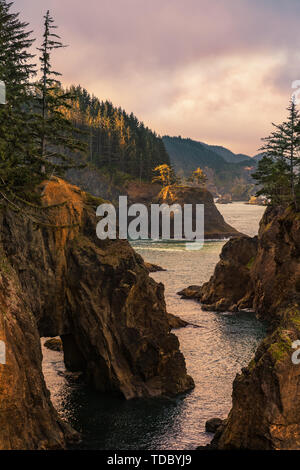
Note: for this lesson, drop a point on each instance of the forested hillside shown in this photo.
(116, 140)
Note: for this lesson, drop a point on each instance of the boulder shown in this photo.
(213, 424)
(55, 344)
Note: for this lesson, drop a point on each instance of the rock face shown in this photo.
(97, 295)
(266, 395)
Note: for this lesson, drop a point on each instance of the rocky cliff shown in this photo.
(215, 226)
(263, 274)
(58, 279)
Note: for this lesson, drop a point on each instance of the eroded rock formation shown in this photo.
(231, 286)
(263, 274)
(97, 295)
(215, 226)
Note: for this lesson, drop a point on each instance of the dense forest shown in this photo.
(116, 140)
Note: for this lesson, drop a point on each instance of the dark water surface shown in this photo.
(214, 353)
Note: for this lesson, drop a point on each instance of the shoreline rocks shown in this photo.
(231, 288)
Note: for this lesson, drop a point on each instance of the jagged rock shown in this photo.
(176, 322)
(276, 271)
(213, 424)
(55, 344)
(97, 295)
(226, 288)
(153, 268)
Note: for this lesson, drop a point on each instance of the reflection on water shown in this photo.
(214, 353)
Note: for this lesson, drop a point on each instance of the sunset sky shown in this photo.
(218, 71)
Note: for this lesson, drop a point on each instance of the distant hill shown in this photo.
(228, 155)
(258, 157)
(226, 171)
(187, 154)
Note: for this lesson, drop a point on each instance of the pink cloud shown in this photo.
(142, 54)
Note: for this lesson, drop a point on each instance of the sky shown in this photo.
(217, 71)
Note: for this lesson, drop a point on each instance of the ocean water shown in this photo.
(215, 351)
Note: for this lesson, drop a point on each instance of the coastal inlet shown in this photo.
(214, 353)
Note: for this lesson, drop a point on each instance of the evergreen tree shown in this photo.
(273, 177)
(16, 71)
(56, 133)
(165, 175)
(281, 159)
(198, 177)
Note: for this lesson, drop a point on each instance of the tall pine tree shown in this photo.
(16, 71)
(279, 168)
(56, 136)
